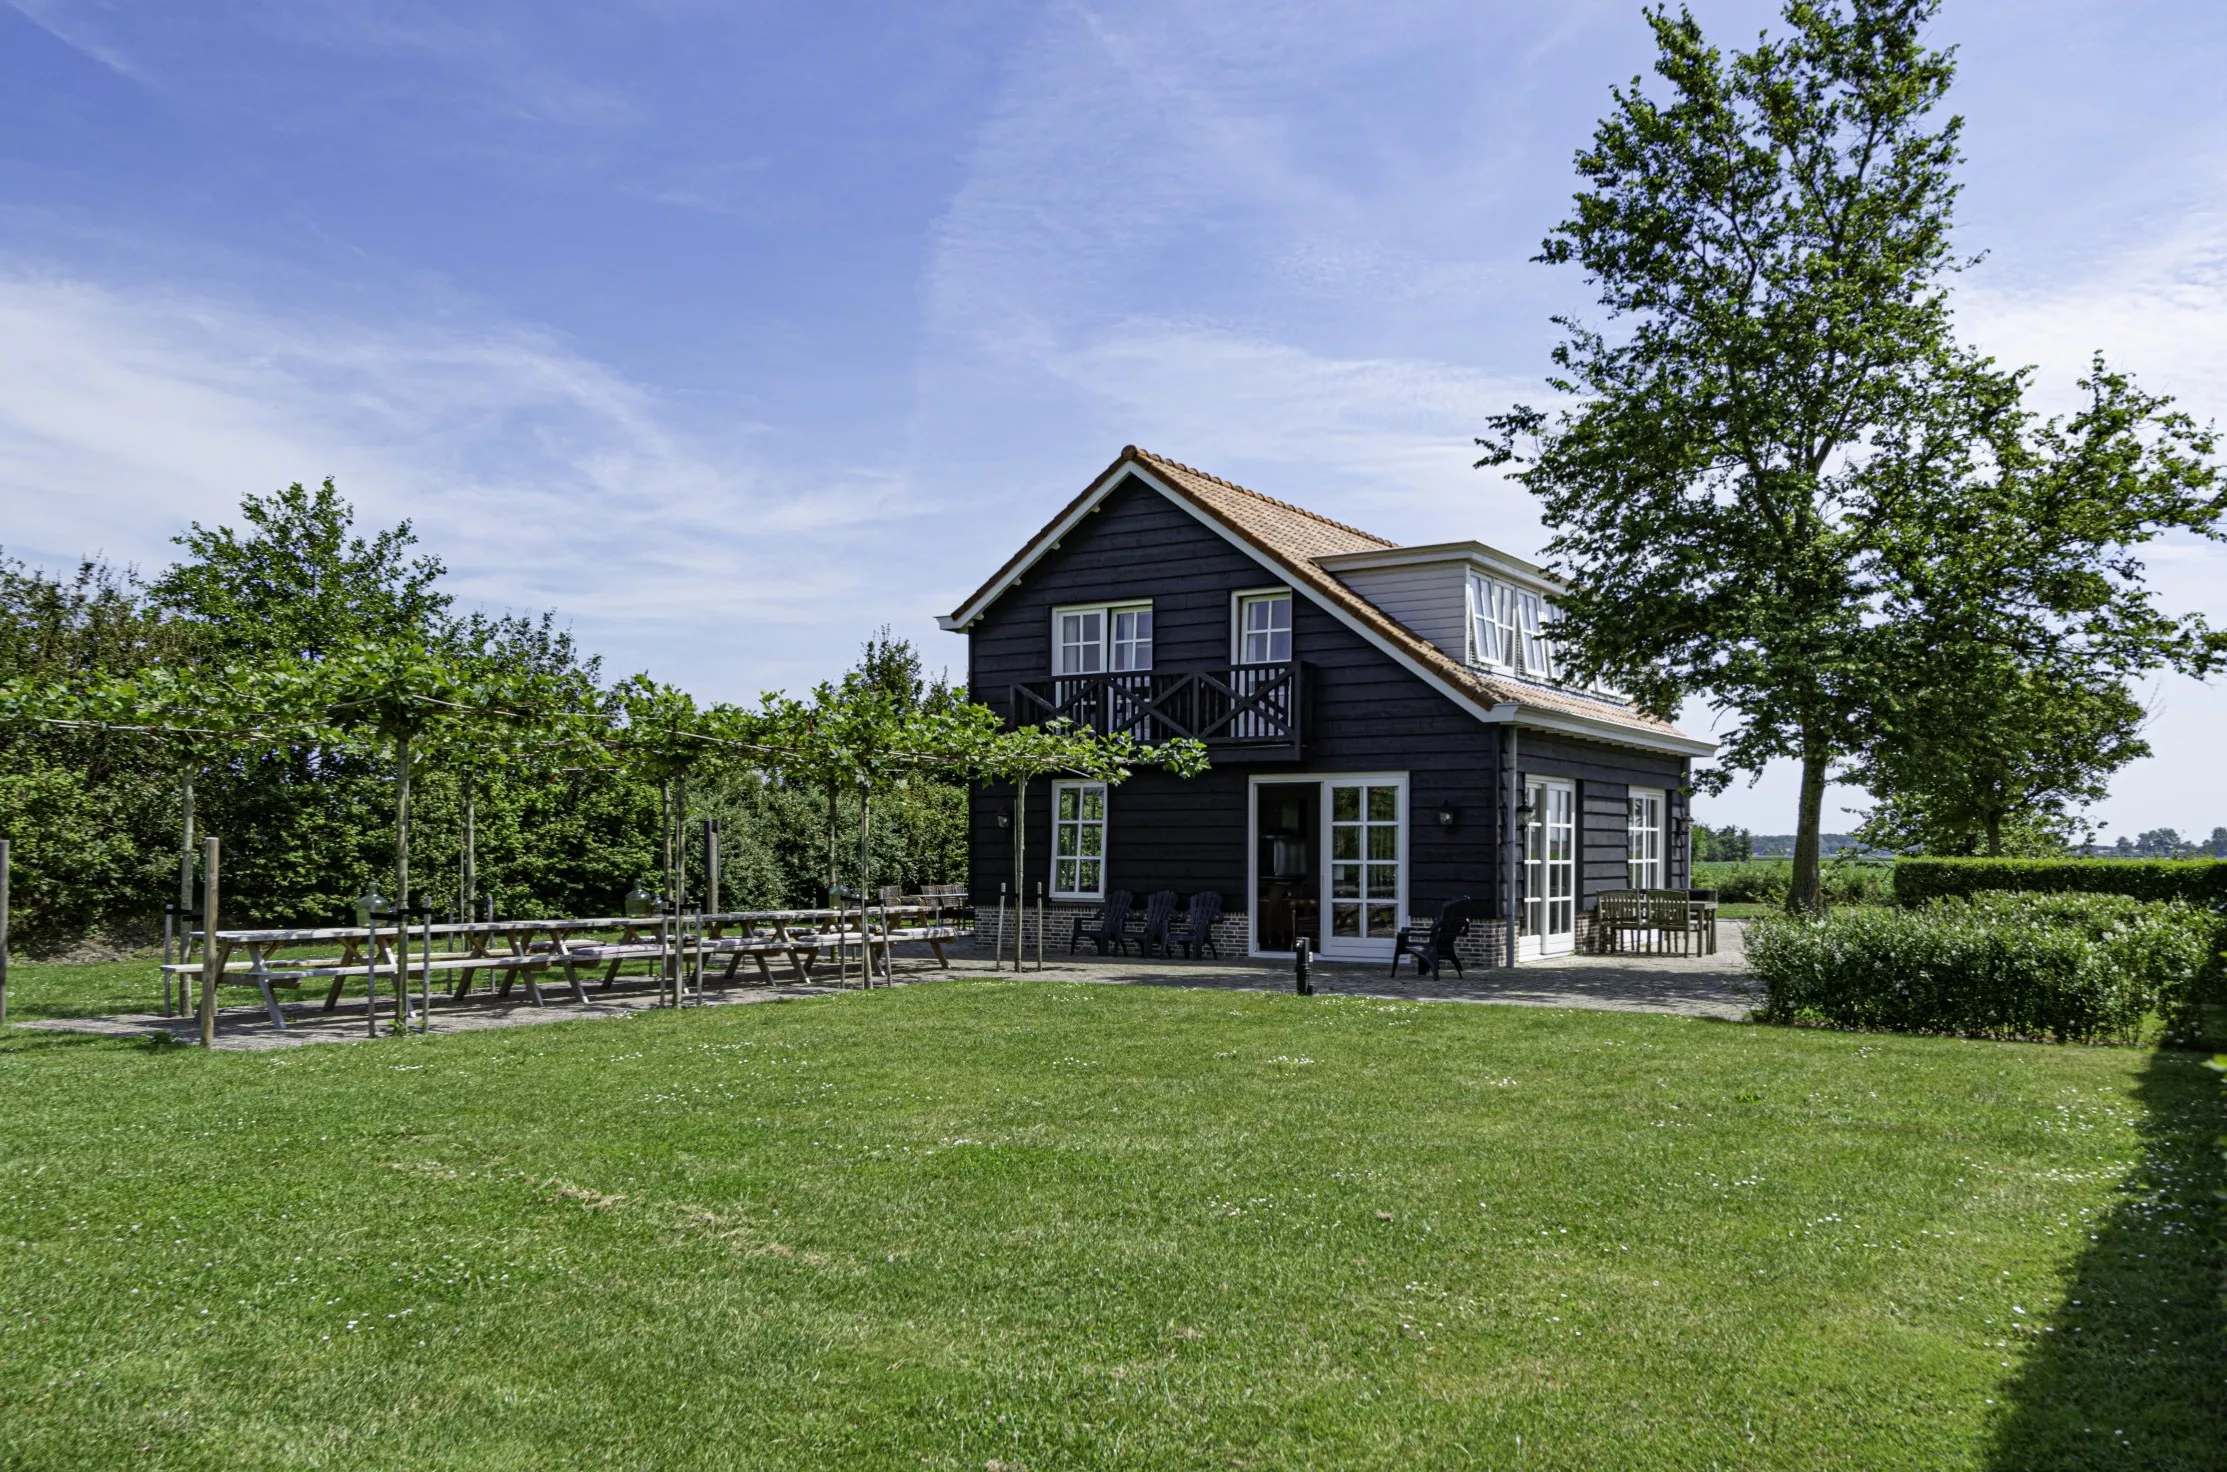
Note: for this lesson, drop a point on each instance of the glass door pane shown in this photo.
(1364, 861)
(1561, 836)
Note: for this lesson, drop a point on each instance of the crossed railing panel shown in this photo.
(1255, 705)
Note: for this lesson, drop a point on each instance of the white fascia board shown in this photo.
(1675, 742)
(957, 622)
(1469, 554)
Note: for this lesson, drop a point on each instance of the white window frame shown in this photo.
(1538, 651)
(1103, 824)
(1246, 597)
(1492, 626)
(1646, 827)
(1105, 644)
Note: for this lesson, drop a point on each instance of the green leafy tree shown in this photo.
(1779, 461)
(1999, 762)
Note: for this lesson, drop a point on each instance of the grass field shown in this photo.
(996, 1225)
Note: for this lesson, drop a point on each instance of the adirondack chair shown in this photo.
(1111, 924)
(1437, 946)
(1159, 913)
(1194, 931)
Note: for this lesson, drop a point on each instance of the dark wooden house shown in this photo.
(1387, 727)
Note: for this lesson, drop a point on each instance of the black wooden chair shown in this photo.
(1111, 924)
(1436, 948)
(1159, 912)
(1195, 931)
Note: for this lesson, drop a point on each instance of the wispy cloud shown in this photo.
(541, 477)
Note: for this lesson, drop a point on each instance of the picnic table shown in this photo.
(530, 950)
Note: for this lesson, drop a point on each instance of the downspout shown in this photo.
(1511, 852)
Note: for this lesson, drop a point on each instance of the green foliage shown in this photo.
(1784, 486)
(2201, 882)
(1765, 881)
(2071, 969)
(1721, 845)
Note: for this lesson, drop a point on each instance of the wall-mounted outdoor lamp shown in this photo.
(1446, 815)
(1005, 817)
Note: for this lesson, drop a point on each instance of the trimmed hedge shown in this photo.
(2201, 882)
(2076, 968)
(1765, 881)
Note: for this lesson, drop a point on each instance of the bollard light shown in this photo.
(372, 906)
(639, 902)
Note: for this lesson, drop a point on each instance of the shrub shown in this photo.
(1765, 881)
(2073, 968)
(2201, 882)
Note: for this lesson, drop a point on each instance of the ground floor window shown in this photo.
(1079, 840)
(1644, 831)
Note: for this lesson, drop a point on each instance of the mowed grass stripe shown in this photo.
(1073, 1226)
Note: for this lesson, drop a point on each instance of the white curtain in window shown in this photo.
(1266, 628)
(1082, 642)
(1132, 639)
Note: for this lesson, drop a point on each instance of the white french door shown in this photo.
(1549, 868)
(1329, 862)
(1366, 871)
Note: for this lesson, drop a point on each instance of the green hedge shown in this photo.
(2070, 967)
(1765, 881)
(2200, 882)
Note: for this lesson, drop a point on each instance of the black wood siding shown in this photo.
(1364, 714)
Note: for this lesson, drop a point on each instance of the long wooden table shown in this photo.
(529, 949)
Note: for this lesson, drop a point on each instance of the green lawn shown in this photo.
(1022, 1224)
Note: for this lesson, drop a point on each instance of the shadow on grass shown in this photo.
(2133, 1373)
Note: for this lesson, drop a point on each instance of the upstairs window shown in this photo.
(1264, 627)
(1538, 654)
(1492, 622)
(1091, 641)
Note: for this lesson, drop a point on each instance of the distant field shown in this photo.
(1034, 1225)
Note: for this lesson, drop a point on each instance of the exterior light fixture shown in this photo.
(1446, 815)
(639, 902)
(373, 906)
(1005, 817)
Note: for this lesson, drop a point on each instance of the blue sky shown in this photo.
(733, 331)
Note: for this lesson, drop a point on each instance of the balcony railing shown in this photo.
(1251, 710)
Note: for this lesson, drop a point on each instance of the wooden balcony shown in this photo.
(1249, 712)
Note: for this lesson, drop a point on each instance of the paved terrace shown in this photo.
(1691, 986)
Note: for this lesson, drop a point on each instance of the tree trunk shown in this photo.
(185, 860)
(1020, 863)
(1994, 833)
(1805, 895)
(402, 825)
(831, 840)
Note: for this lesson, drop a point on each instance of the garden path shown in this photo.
(1693, 986)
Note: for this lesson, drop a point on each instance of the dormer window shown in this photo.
(1264, 627)
(1507, 628)
(1091, 641)
(1492, 622)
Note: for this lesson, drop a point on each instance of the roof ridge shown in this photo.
(1208, 475)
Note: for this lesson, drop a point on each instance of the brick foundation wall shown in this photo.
(1485, 947)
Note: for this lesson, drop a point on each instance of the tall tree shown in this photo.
(1778, 446)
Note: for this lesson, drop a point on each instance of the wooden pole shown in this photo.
(402, 885)
(1020, 864)
(210, 950)
(4, 861)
